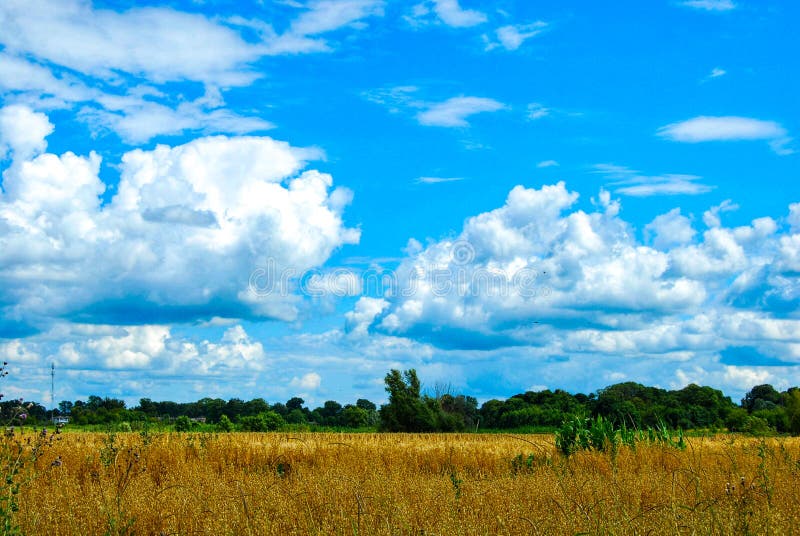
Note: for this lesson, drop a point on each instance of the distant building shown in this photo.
(61, 419)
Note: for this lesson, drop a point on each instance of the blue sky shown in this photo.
(563, 196)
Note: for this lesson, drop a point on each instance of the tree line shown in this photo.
(763, 410)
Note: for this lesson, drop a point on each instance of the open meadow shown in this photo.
(278, 483)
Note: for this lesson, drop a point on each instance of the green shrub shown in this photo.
(183, 424)
(225, 424)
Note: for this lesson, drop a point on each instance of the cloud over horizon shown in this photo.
(179, 238)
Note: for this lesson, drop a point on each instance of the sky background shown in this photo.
(197, 197)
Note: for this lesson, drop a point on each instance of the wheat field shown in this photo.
(90, 483)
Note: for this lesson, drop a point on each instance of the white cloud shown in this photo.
(136, 116)
(17, 352)
(120, 359)
(308, 382)
(180, 238)
(119, 53)
(632, 183)
(794, 217)
(670, 229)
(547, 164)
(138, 120)
(711, 216)
(511, 37)
(363, 314)
(537, 111)
(395, 98)
(583, 263)
(320, 17)
(163, 44)
(727, 128)
(716, 72)
(710, 5)
(451, 13)
(437, 180)
(23, 132)
(540, 275)
(454, 112)
(159, 43)
(36, 84)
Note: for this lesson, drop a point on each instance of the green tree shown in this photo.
(792, 403)
(355, 417)
(406, 410)
(365, 404)
(267, 421)
(224, 424)
(761, 397)
(295, 403)
(296, 416)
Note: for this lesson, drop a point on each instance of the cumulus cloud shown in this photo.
(180, 238)
(140, 358)
(539, 274)
(448, 12)
(454, 112)
(711, 216)
(728, 128)
(513, 36)
(307, 382)
(672, 228)
(23, 132)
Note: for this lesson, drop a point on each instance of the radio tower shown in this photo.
(53, 391)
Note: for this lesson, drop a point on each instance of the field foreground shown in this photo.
(406, 484)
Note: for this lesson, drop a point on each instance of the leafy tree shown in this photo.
(295, 403)
(211, 408)
(296, 416)
(263, 422)
(331, 413)
(406, 411)
(792, 403)
(366, 404)
(280, 409)
(355, 417)
(255, 407)
(761, 397)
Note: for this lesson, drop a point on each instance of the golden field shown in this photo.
(405, 484)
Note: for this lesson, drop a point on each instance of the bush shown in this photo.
(577, 433)
(756, 426)
(183, 424)
(225, 424)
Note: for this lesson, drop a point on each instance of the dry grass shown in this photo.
(407, 484)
